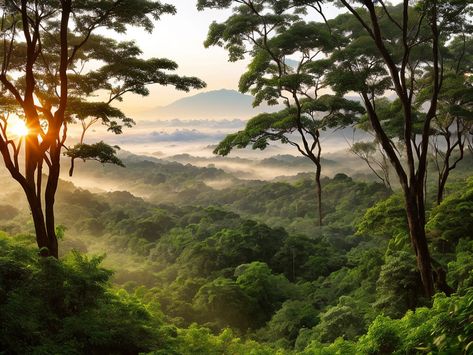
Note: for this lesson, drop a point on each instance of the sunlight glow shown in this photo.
(18, 128)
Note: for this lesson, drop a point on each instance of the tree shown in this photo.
(469, 141)
(367, 151)
(46, 49)
(301, 257)
(290, 319)
(342, 320)
(223, 300)
(268, 290)
(451, 221)
(71, 306)
(378, 50)
(391, 118)
(398, 286)
(389, 49)
(287, 66)
(453, 122)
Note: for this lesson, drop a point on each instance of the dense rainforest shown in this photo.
(365, 250)
(234, 270)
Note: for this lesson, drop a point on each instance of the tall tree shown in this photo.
(287, 67)
(389, 50)
(382, 49)
(52, 62)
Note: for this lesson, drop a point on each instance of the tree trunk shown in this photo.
(441, 186)
(413, 189)
(46, 242)
(419, 243)
(412, 178)
(50, 193)
(318, 188)
(387, 177)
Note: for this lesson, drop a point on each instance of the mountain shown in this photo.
(217, 104)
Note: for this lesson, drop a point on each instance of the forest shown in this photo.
(205, 274)
(107, 251)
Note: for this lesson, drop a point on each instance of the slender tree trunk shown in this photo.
(50, 228)
(293, 265)
(51, 188)
(318, 189)
(55, 144)
(387, 177)
(441, 186)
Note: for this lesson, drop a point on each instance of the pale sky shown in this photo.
(180, 38)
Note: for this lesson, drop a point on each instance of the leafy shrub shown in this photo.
(67, 307)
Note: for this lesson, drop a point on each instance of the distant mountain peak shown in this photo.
(214, 104)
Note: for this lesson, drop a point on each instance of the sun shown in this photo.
(18, 128)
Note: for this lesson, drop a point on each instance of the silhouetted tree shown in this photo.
(47, 77)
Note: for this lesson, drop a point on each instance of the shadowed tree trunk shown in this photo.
(318, 189)
(419, 243)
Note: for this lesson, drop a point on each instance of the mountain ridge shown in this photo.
(213, 104)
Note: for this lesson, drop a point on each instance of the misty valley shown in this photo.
(237, 268)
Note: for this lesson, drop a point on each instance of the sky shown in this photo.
(180, 38)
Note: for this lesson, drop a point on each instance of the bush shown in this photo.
(67, 306)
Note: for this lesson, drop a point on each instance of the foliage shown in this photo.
(452, 220)
(460, 270)
(386, 220)
(223, 301)
(101, 152)
(398, 288)
(343, 320)
(239, 279)
(445, 328)
(197, 340)
(267, 290)
(50, 306)
(288, 320)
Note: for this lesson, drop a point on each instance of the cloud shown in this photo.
(207, 124)
(185, 135)
(199, 138)
(176, 130)
(177, 136)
